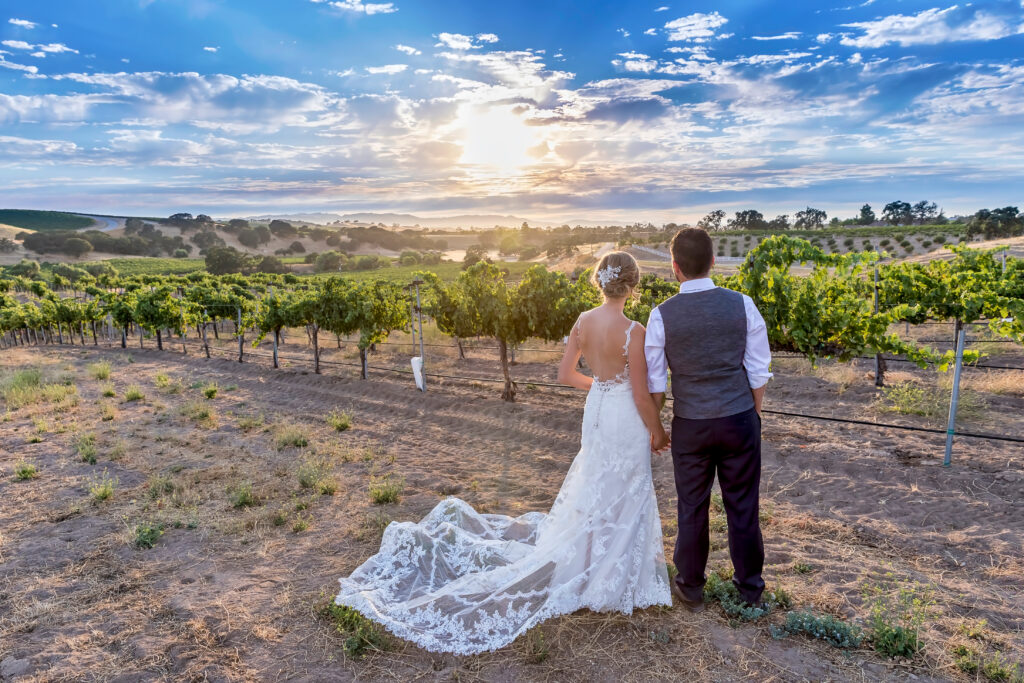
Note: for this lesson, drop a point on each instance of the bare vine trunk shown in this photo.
(509, 394)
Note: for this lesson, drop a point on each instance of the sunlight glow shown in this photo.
(497, 138)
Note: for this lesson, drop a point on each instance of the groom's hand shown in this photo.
(660, 442)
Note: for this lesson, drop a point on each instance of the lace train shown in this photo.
(463, 582)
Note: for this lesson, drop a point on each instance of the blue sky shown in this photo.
(551, 110)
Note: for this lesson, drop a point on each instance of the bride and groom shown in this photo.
(464, 582)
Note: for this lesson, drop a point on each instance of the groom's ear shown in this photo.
(676, 271)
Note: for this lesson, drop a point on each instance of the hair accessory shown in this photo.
(607, 274)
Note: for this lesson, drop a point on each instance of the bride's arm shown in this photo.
(641, 396)
(567, 372)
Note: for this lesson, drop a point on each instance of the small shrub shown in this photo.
(101, 487)
(373, 526)
(279, 518)
(147, 534)
(24, 471)
(242, 496)
(802, 568)
(158, 485)
(312, 471)
(108, 390)
(385, 490)
(301, 523)
(898, 609)
(200, 412)
(535, 645)
(823, 627)
(250, 422)
(107, 413)
(133, 393)
(210, 390)
(721, 590)
(339, 420)
(161, 380)
(85, 446)
(926, 244)
(100, 370)
(996, 668)
(966, 659)
(290, 435)
(360, 633)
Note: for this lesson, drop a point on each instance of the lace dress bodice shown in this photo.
(464, 582)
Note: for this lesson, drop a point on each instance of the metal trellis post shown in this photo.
(955, 397)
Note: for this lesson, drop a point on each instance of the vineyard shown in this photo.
(210, 504)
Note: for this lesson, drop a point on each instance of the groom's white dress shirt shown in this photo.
(757, 357)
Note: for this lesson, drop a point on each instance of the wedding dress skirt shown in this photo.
(464, 582)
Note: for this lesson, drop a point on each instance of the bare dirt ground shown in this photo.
(232, 593)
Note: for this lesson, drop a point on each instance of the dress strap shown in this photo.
(629, 331)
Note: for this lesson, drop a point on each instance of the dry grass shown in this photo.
(1005, 382)
(843, 375)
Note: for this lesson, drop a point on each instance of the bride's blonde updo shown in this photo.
(616, 274)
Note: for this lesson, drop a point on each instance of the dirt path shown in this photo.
(231, 593)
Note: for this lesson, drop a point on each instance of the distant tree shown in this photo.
(204, 239)
(329, 261)
(25, 268)
(272, 264)
(510, 244)
(76, 247)
(810, 219)
(133, 225)
(924, 212)
(236, 224)
(180, 217)
(180, 253)
(203, 218)
(713, 221)
(1004, 222)
(297, 247)
(780, 222)
(223, 260)
(333, 240)
(282, 229)
(898, 213)
(7, 245)
(474, 254)
(867, 216)
(263, 233)
(247, 237)
(747, 220)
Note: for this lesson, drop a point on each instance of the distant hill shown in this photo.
(44, 220)
(407, 220)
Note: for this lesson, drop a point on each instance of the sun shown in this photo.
(497, 139)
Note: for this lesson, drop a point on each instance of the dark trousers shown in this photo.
(732, 447)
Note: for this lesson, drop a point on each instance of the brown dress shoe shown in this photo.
(695, 606)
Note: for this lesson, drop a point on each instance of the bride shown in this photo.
(464, 582)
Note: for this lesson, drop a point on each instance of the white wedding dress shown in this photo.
(463, 582)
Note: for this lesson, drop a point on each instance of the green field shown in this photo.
(153, 266)
(446, 271)
(44, 220)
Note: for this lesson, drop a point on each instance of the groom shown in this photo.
(715, 343)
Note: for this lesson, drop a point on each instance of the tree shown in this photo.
(158, 310)
(747, 220)
(272, 264)
(898, 213)
(329, 261)
(810, 219)
(76, 247)
(204, 239)
(222, 260)
(203, 218)
(1004, 222)
(262, 234)
(283, 229)
(236, 224)
(867, 216)
(375, 309)
(7, 245)
(713, 221)
(780, 222)
(297, 247)
(474, 254)
(923, 212)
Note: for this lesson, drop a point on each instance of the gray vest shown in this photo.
(705, 339)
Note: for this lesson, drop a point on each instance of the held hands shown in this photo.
(660, 440)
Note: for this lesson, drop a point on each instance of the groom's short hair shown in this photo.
(693, 251)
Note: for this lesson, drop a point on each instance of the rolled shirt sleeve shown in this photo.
(757, 358)
(654, 350)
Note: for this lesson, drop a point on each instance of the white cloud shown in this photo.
(18, 67)
(487, 37)
(24, 23)
(39, 55)
(455, 41)
(210, 48)
(789, 35)
(823, 38)
(651, 32)
(662, 8)
(697, 27)
(855, 58)
(359, 7)
(407, 49)
(387, 69)
(624, 32)
(52, 48)
(18, 44)
(56, 48)
(931, 27)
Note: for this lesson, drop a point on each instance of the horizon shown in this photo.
(607, 113)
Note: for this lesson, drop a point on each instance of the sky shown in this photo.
(555, 110)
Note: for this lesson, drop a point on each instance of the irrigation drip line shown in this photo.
(825, 418)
